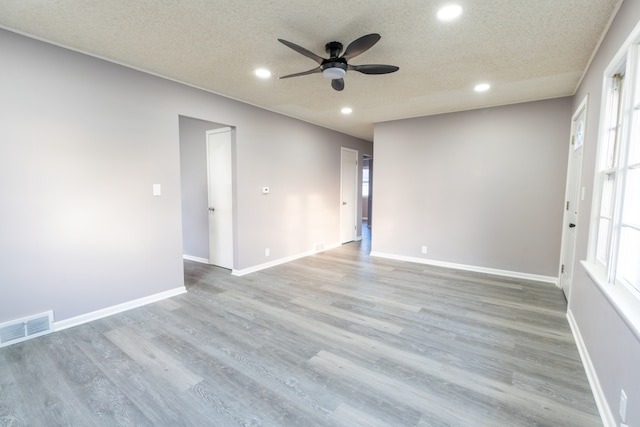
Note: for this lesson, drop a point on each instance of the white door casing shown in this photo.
(572, 197)
(219, 174)
(348, 194)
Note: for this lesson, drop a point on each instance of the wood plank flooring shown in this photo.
(335, 339)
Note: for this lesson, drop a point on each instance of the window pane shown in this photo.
(610, 151)
(603, 240)
(606, 205)
(629, 257)
(613, 109)
(634, 145)
(365, 182)
(631, 208)
(634, 150)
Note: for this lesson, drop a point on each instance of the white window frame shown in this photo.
(623, 295)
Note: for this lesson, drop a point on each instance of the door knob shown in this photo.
(344, 203)
(212, 209)
(571, 225)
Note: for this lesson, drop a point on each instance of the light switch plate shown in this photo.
(157, 190)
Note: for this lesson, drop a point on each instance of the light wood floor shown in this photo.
(335, 339)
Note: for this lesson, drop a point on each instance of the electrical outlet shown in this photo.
(267, 252)
(424, 249)
(623, 406)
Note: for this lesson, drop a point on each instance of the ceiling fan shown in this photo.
(336, 66)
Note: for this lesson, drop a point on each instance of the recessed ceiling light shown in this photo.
(450, 12)
(482, 87)
(346, 110)
(263, 73)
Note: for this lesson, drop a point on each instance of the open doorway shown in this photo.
(367, 163)
(348, 195)
(194, 183)
(367, 194)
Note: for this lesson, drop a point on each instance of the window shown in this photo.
(617, 239)
(606, 168)
(365, 181)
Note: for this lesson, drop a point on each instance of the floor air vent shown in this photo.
(26, 328)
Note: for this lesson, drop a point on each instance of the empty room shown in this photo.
(421, 213)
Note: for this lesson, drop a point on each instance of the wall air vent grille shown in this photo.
(19, 330)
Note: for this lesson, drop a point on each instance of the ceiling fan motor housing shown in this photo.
(333, 68)
(333, 49)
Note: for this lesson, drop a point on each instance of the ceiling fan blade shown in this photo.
(337, 84)
(304, 73)
(302, 50)
(374, 68)
(360, 45)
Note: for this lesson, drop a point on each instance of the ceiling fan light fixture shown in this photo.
(333, 73)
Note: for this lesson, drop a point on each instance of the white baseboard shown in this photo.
(497, 272)
(285, 260)
(195, 258)
(603, 407)
(99, 314)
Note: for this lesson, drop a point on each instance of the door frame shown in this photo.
(574, 173)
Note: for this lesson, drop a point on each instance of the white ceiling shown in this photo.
(526, 49)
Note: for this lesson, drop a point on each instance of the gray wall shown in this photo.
(81, 144)
(301, 165)
(481, 188)
(614, 349)
(83, 141)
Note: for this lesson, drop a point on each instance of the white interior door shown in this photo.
(572, 199)
(348, 195)
(220, 197)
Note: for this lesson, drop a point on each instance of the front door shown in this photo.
(220, 197)
(572, 199)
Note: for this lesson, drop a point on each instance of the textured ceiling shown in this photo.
(527, 50)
